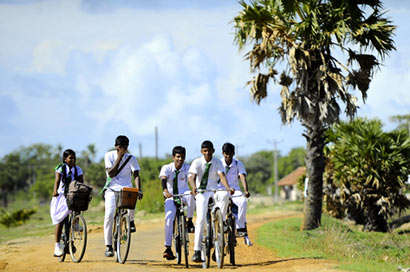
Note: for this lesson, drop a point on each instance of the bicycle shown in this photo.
(213, 236)
(74, 237)
(180, 235)
(125, 199)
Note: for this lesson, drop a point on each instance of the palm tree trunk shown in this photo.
(315, 165)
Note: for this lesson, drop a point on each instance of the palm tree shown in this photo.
(306, 35)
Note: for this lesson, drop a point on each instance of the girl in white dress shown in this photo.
(64, 173)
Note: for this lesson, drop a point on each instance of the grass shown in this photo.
(353, 249)
(40, 223)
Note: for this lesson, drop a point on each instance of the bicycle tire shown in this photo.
(207, 242)
(184, 239)
(124, 238)
(219, 238)
(63, 239)
(177, 238)
(78, 238)
(231, 243)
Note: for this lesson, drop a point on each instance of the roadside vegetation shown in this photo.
(343, 241)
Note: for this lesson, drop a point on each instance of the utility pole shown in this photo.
(156, 143)
(140, 150)
(275, 169)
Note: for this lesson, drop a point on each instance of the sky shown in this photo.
(77, 72)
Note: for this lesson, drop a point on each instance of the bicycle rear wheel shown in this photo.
(219, 239)
(177, 238)
(124, 238)
(231, 239)
(78, 238)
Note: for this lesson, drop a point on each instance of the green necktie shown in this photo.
(204, 180)
(227, 169)
(175, 185)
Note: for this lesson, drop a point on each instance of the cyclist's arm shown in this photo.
(191, 181)
(225, 182)
(164, 187)
(137, 180)
(56, 183)
(113, 170)
(242, 177)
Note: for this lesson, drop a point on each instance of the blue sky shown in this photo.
(80, 72)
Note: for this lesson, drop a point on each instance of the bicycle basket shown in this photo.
(126, 198)
(78, 196)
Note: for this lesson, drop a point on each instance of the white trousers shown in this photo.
(170, 211)
(242, 204)
(221, 200)
(109, 216)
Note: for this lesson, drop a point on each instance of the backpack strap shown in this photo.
(107, 182)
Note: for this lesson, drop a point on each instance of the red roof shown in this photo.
(293, 177)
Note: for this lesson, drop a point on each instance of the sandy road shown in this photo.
(35, 254)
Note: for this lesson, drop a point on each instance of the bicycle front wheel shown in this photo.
(231, 239)
(64, 239)
(219, 240)
(78, 238)
(177, 238)
(123, 238)
(207, 242)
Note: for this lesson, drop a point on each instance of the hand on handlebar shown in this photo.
(232, 191)
(247, 194)
(140, 195)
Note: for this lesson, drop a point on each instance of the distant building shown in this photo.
(288, 184)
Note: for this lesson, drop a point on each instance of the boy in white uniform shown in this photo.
(174, 178)
(235, 170)
(114, 161)
(205, 172)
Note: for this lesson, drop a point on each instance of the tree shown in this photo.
(369, 168)
(305, 34)
(403, 120)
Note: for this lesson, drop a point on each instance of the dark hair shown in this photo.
(67, 153)
(178, 150)
(228, 148)
(122, 140)
(207, 144)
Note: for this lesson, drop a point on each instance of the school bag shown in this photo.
(77, 194)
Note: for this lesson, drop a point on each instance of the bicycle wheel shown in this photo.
(78, 238)
(177, 238)
(207, 242)
(124, 238)
(184, 239)
(63, 239)
(219, 240)
(231, 242)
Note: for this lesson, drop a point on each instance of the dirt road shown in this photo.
(35, 254)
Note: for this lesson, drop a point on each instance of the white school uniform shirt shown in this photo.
(198, 168)
(168, 171)
(60, 189)
(232, 176)
(123, 178)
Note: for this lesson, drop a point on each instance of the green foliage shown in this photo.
(259, 167)
(95, 174)
(153, 201)
(367, 172)
(354, 250)
(43, 187)
(16, 218)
